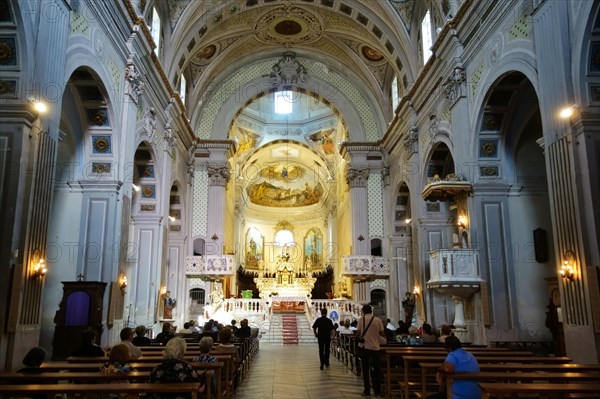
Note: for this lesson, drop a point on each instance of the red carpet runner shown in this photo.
(290, 329)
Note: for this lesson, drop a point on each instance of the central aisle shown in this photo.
(292, 371)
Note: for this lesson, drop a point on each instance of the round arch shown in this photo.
(364, 121)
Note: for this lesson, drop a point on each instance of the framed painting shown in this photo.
(254, 246)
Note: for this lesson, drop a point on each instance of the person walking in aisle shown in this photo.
(322, 328)
(370, 328)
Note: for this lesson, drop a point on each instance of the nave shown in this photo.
(292, 371)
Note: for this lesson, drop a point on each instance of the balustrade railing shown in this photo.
(344, 308)
(246, 305)
(366, 267)
(210, 266)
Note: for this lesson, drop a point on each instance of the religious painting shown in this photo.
(313, 249)
(285, 184)
(324, 139)
(253, 250)
(246, 140)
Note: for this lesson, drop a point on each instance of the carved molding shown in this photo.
(218, 173)
(454, 86)
(411, 140)
(134, 85)
(357, 176)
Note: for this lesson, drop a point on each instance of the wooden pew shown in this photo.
(132, 390)
(394, 371)
(500, 390)
(513, 377)
(408, 362)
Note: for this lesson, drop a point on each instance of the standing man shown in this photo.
(369, 329)
(322, 328)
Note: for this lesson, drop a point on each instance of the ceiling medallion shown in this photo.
(288, 25)
(371, 54)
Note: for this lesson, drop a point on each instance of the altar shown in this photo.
(285, 282)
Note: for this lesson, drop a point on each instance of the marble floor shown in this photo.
(292, 371)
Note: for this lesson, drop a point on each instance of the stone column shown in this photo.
(218, 176)
(357, 177)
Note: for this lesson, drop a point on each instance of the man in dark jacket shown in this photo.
(323, 327)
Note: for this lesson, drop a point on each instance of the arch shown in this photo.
(439, 160)
(198, 246)
(583, 83)
(363, 120)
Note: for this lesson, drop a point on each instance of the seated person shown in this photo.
(186, 328)
(88, 347)
(205, 346)
(166, 334)
(428, 336)
(126, 339)
(173, 368)
(33, 360)
(117, 360)
(457, 361)
(140, 337)
(244, 331)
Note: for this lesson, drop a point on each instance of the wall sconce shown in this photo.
(407, 220)
(40, 268)
(123, 283)
(360, 238)
(567, 270)
(214, 237)
(416, 291)
(39, 106)
(172, 218)
(135, 187)
(462, 221)
(163, 290)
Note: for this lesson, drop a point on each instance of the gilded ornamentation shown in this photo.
(134, 85)
(6, 52)
(147, 207)
(453, 86)
(8, 88)
(287, 26)
(488, 148)
(371, 54)
(101, 144)
(100, 167)
(488, 171)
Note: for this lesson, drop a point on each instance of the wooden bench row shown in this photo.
(84, 373)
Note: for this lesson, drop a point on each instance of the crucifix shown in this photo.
(80, 277)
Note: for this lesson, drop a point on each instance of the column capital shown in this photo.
(357, 176)
(218, 173)
(134, 85)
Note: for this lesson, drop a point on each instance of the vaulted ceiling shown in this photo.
(363, 44)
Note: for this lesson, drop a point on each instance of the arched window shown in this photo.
(395, 94)
(155, 29)
(426, 35)
(182, 88)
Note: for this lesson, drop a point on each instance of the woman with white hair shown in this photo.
(173, 368)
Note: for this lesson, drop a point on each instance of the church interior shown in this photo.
(174, 160)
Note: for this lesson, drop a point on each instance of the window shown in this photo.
(155, 28)
(283, 102)
(284, 238)
(182, 88)
(426, 36)
(395, 96)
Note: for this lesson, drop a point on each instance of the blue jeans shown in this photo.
(371, 368)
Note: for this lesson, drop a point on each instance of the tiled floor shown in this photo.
(292, 371)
